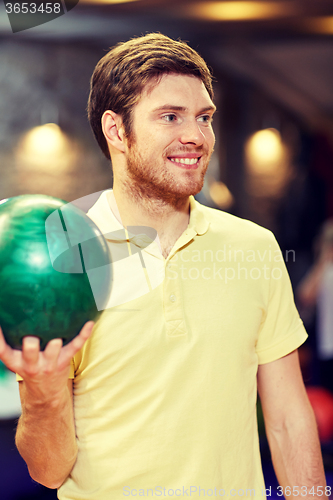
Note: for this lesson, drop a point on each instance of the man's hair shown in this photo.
(122, 74)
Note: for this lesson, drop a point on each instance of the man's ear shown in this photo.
(113, 130)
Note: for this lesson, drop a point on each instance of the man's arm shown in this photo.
(291, 428)
(45, 435)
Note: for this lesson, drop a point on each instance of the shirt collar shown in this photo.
(103, 216)
(198, 221)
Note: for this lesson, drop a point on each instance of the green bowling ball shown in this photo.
(55, 269)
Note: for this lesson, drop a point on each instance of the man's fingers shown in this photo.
(54, 354)
(30, 350)
(52, 350)
(77, 343)
(86, 330)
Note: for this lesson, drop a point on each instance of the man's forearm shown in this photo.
(297, 459)
(45, 438)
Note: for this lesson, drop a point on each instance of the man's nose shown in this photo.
(191, 133)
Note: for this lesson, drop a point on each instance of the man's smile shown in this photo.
(185, 160)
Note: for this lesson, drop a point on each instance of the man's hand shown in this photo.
(44, 372)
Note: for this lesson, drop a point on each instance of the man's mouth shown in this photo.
(185, 161)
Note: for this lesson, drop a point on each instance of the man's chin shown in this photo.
(194, 188)
(186, 191)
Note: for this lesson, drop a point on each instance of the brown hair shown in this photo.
(121, 75)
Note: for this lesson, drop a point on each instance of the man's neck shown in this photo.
(168, 220)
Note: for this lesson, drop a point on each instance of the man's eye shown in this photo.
(169, 118)
(205, 119)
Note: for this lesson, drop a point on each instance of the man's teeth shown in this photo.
(187, 161)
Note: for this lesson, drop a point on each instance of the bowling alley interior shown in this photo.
(272, 63)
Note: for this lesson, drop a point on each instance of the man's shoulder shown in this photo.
(100, 213)
(232, 225)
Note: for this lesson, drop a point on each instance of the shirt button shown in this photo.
(173, 298)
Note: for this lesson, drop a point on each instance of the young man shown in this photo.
(165, 388)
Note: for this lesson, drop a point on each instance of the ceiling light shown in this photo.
(264, 151)
(45, 148)
(240, 11)
(268, 162)
(323, 25)
(109, 2)
(46, 139)
(221, 195)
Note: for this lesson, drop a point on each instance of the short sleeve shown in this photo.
(282, 330)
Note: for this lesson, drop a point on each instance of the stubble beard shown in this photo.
(153, 185)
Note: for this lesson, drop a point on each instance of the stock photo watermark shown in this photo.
(136, 260)
(27, 14)
(188, 491)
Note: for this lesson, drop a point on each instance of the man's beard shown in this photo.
(147, 181)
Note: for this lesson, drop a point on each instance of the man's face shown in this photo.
(172, 140)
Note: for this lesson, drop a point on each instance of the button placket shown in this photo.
(173, 308)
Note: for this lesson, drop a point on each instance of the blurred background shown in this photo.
(272, 62)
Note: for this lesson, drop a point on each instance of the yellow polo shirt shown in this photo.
(165, 390)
